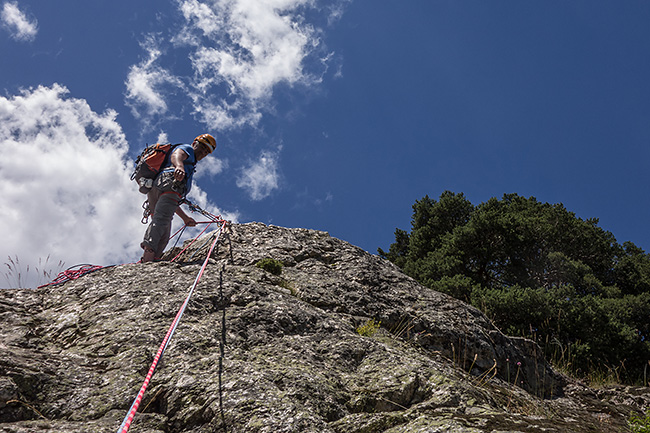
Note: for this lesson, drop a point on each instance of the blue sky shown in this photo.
(332, 115)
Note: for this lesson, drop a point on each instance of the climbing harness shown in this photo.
(128, 419)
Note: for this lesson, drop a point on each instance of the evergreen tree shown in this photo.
(539, 271)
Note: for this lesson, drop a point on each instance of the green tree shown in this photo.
(431, 222)
(632, 270)
(537, 270)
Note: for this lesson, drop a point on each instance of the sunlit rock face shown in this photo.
(337, 341)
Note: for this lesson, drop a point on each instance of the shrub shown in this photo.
(270, 265)
(539, 271)
(640, 424)
(369, 328)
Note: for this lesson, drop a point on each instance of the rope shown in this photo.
(194, 208)
(193, 240)
(128, 419)
(72, 274)
(222, 347)
(213, 219)
(181, 231)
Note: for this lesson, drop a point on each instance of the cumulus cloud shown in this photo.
(147, 84)
(65, 182)
(210, 167)
(224, 63)
(260, 178)
(239, 52)
(16, 22)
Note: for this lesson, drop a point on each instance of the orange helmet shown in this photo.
(208, 140)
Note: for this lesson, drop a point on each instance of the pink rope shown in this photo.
(193, 240)
(126, 424)
(72, 274)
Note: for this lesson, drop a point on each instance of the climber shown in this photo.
(169, 188)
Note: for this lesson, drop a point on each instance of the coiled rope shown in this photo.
(128, 419)
(72, 273)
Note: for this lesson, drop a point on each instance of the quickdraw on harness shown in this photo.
(128, 419)
(146, 212)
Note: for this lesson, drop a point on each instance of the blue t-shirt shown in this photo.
(189, 163)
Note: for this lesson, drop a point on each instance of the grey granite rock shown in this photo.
(73, 356)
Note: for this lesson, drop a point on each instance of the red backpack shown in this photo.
(149, 163)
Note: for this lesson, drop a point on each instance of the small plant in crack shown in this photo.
(369, 328)
(270, 265)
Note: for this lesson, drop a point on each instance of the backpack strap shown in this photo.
(172, 149)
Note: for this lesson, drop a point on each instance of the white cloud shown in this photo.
(255, 46)
(65, 184)
(336, 11)
(64, 181)
(210, 167)
(224, 63)
(200, 198)
(147, 84)
(239, 52)
(200, 13)
(162, 137)
(260, 178)
(19, 26)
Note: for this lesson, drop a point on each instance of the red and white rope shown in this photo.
(128, 419)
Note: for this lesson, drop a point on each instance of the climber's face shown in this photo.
(200, 150)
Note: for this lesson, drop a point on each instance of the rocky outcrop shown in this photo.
(73, 356)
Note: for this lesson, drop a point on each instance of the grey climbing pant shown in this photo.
(163, 202)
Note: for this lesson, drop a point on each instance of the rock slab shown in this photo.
(297, 356)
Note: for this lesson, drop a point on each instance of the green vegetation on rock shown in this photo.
(369, 328)
(640, 424)
(270, 265)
